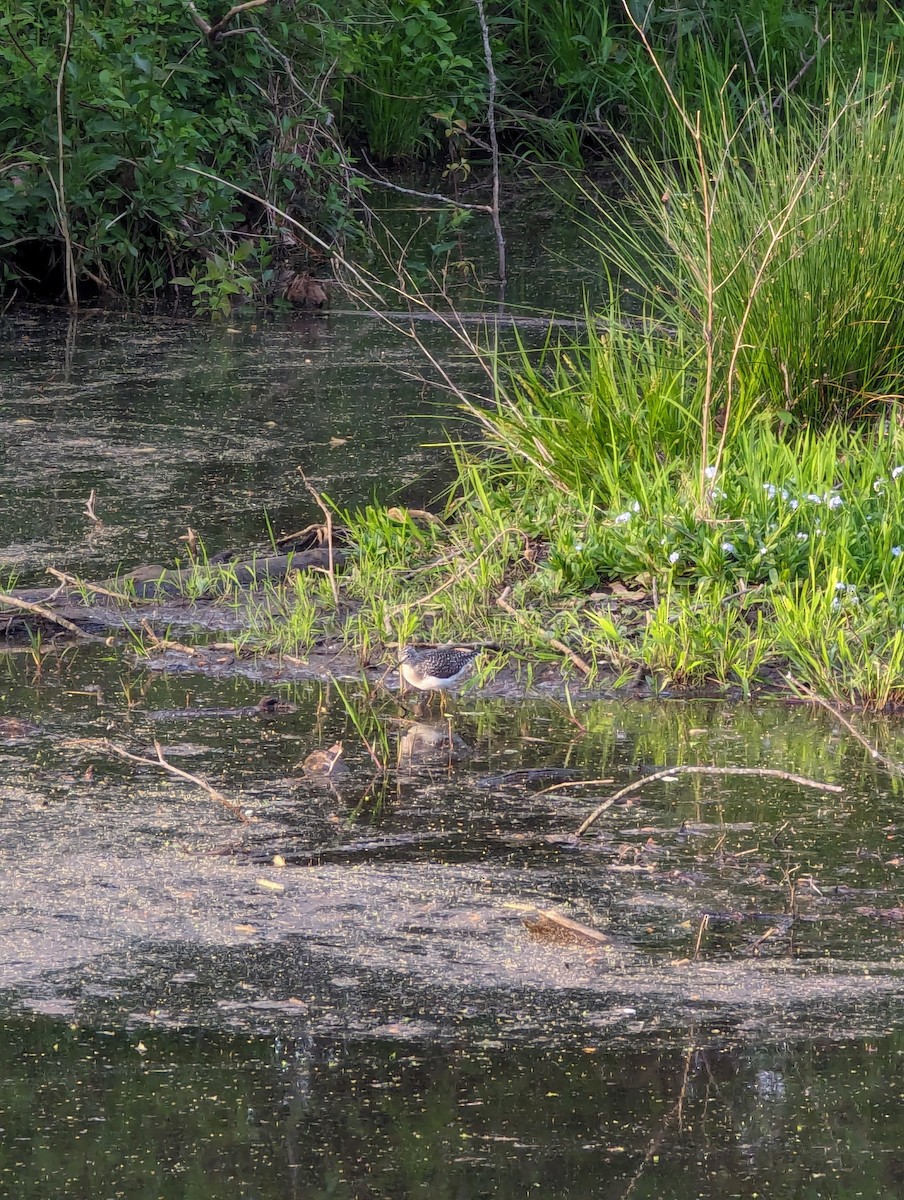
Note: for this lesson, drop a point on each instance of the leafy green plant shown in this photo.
(220, 280)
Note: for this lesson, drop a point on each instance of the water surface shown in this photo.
(343, 998)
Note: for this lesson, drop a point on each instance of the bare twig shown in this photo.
(328, 519)
(494, 144)
(806, 693)
(704, 923)
(113, 748)
(63, 215)
(437, 197)
(554, 787)
(214, 32)
(821, 39)
(90, 507)
(767, 772)
(98, 589)
(48, 615)
(584, 667)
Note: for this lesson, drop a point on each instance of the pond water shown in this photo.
(344, 998)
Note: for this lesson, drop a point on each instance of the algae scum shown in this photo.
(343, 997)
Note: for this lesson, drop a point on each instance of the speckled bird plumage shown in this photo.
(435, 670)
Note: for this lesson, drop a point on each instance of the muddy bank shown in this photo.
(195, 620)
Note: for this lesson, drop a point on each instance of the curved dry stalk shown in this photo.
(709, 291)
(328, 518)
(778, 234)
(767, 772)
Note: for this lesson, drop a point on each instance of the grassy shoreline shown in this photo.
(710, 491)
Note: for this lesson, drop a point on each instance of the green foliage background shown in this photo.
(285, 107)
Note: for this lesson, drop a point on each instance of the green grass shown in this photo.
(708, 488)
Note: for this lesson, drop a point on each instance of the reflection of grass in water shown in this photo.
(370, 729)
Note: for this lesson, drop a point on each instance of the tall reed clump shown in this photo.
(734, 417)
(765, 261)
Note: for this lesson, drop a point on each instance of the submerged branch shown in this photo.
(766, 772)
(121, 752)
(806, 693)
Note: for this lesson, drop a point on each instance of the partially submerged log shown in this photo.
(78, 608)
(547, 926)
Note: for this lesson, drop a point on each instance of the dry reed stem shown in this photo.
(767, 772)
(579, 662)
(60, 188)
(328, 518)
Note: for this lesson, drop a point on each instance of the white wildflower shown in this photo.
(710, 473)
(728, 548)
(897, 551)
(623, 518)
(834, 501)
(770, 489)
(793, 504)
(803, 537)
(673, 557)
(896, 471)
(879, 485)
(635, 507)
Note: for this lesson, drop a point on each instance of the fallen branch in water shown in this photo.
(112, 748)
(805, 693)
(48, 614)
(502, 602)
(767, 772)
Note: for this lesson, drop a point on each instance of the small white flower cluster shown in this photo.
(845, 593)
(624, 517)
(879, 484)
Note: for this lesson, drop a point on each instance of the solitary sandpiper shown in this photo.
(435, 670)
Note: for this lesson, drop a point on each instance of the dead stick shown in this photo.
(803, 690)
(704, 924)
(49, 615)
(767, 772)
(548, 638)
(328, 517)
(160, 761)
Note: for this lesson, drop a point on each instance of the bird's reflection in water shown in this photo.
(430, 744)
